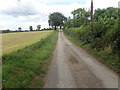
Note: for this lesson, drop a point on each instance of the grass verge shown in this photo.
(26, 68)
(109, 59)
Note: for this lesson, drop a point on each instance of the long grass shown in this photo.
(26, 68)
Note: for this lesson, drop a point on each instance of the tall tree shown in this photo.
(19, 29)
(31, 28)
(56, 19)
(38, 27)
(110, 12)
(80, 17)
(80, 13)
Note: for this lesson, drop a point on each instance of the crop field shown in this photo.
(15, 41)
(26, 68)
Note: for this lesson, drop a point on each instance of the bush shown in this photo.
(113, 38)
(102, 35)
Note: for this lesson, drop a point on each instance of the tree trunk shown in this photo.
(55, 28)
(60, 27)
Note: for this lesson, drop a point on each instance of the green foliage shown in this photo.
(105, 28)
(19, 29)
(81, 12)
(5, 31)
(110, 12)
(80, 17)
(101, 36)
(56, 19)
(31, 28)
(22, 67)
(113, 38)
(100, 27)
(104, 39)
(38, 27)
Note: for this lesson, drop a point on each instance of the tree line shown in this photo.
(20, 29)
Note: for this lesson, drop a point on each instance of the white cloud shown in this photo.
(33, 12)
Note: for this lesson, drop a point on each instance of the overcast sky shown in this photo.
(24, 13)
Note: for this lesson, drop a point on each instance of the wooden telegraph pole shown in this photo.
(91, 14)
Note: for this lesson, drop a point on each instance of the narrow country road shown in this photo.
(73, 67)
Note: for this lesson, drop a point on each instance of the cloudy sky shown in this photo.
(24, 13)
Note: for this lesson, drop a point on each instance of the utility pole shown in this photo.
(91, 14)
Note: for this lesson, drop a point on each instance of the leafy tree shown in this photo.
(19, 29)
(56, 19)
(80, 13)
(110, 12)
(31, 28)
(38, 27)
(80, 17)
